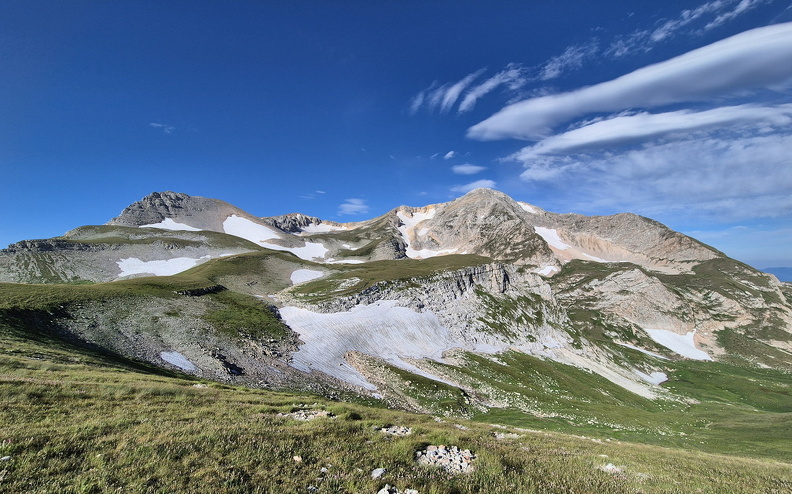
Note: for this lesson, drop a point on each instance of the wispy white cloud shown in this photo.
(671, 26)
(449, 155)
(629, 128)
(513, 77)
(741, 8)
(624, 45)
(453, 92)
(464, 189)
(572, 58)
(689, 22)
(467, 169)
(714, 13)
(166, 129)
(418, 100)
(754, 59)
(717, 177)
(353, 206)
(312, 195)
(442, 97)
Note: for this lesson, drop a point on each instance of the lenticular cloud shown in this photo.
(629, 128)
(759, 58)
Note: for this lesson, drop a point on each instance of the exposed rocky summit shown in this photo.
(197, 212)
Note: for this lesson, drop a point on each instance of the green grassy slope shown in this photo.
(80, 421)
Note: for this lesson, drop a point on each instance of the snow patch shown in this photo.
(527, 207)
(681, 344)
(344, 261)
(322, 228)
(594, 258)
(653, 378)
(179, 360)
(167, 267)
(550, 236)
(427, 253)
(305, 275)
(169, 224)
(310, 252)
(548, 270)
(260, 234)
(244, 228)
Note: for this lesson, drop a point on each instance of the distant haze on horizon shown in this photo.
(680, 111)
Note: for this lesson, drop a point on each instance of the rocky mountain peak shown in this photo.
(193, 211)
(293, 222)
(484, 222)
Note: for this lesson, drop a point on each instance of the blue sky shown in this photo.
(680, 111)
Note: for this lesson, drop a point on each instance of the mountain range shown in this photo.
(445, 294)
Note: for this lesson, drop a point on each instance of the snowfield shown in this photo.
(548, 270)
(322, 228)
(678, 343)
(654, 377)
(305, 275)
(310, 252)
(527, 207)
(397, 334)
(179, 360)
(381, 330)
(261, 235)
(168, 267)
(551, 237)
(169, 224)
(244, 228)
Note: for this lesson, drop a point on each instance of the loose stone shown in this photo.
(451, 459)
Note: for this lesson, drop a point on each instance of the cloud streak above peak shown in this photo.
(478, 184)
(353, 206)
(442, 98)
(759, 58)
(624, 129)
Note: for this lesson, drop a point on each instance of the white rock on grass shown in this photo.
(450, 459)
(308, 414)
(611, 468)
(396, 430)
(505, 435)
(378, 472)
(389, 489)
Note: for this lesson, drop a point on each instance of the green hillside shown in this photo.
(79, 420)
